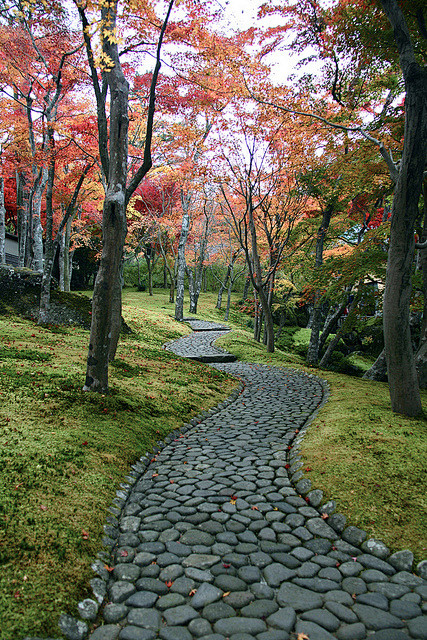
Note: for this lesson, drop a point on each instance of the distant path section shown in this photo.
(214, 541)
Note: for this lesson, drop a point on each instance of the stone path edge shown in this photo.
(314, 497)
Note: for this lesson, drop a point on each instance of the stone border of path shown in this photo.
(401, 560)
(75, 629)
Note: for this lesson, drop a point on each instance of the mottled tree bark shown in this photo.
(316, 319)
(2, 224)
(179, 304)
(113, 148)
(378, 371)
(402, 375)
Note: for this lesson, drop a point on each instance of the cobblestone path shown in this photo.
(212, 541)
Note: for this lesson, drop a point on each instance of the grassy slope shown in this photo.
(64, 453)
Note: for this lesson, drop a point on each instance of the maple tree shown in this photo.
(361, 51)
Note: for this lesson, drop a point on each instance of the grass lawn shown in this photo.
(64, 453)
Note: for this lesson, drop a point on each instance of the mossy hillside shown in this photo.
(64, 452)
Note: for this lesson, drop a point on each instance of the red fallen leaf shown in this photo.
(124, 553)
(110, 569)
(172, 481)
(84, 443)
(85, 535)
(254, 508)
(18, 485)
(192, 592)
(43, 507)
(17, 595)
(324, 516)
(337, 565)
(154, 475)
(306, 499)
(296, 430)
(227, 593)
(226, 566)
(169, 583)
(287, 466)
(308, 469)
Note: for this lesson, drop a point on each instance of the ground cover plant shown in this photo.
(64, 452)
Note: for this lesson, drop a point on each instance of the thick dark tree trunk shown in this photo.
(113, 149)
(106, 301)
(402, 375)
(421, 356)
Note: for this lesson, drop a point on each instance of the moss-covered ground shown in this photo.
(64, 453)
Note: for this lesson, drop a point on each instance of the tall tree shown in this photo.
(113, 149)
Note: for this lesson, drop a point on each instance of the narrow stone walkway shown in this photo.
(213, 542)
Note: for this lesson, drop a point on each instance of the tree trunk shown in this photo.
(316, 318)
(172, 291)
(179, 304)
(67, 261)
(378, 371)
(335, 340)
(22, 214)
(2, 224)
(192, 291)
(421, 356)
(230, 286)
(402, 375)
(331, 321)
(62, 262)
(37, 230)
(50, 246)
(106, 302)
(246, 288)
(268, 318)
(149, 262)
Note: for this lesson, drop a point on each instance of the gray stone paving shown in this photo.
(212, 540)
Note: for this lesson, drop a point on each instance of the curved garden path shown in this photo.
(213, 540)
